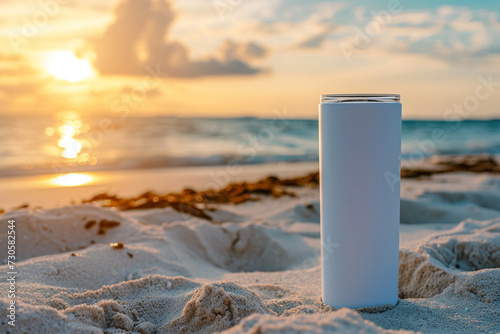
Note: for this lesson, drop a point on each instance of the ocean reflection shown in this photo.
(70, 128)
(72, 179)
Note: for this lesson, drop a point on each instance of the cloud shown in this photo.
(129, 89)
(17, 89)
(230, 51)
(17, 77)
(317, 41)
(453, 34)
(138, 38)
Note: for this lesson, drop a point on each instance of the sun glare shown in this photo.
(70, 128)
(69, 131)
(65, 65)
(72, 179)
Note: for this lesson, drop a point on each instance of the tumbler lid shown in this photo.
(341, 98)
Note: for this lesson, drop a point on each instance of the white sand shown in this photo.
(257, 271)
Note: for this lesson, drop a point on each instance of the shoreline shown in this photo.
(52, 190)
(41, 191)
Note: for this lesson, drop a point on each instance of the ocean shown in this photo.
(72, 142)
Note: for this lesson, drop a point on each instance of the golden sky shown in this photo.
(247, 58)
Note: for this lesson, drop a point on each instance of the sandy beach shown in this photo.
(227, 166)
(253, 267)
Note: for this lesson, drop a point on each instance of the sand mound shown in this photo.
(481, 199)
(305, 213)
(165, 304)
(465, 255)
(41, 319)
(437, 263)
(341, 321)
(449, 208)
(450, 199)
(215, 307)
(479, 286)
(420, 276)
(66, 229)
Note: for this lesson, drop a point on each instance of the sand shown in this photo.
(256, 270)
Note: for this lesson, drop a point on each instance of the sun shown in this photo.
(65, 65)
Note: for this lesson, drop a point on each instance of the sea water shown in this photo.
(36, 144)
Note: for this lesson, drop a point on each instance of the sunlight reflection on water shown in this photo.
(70, 128)
(72, 179)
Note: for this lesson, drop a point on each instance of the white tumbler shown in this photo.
(360, 152)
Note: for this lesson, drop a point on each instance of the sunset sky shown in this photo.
(247, 58)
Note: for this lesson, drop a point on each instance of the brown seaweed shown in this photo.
(197, 203)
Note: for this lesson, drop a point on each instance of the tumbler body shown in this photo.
(360, 151)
